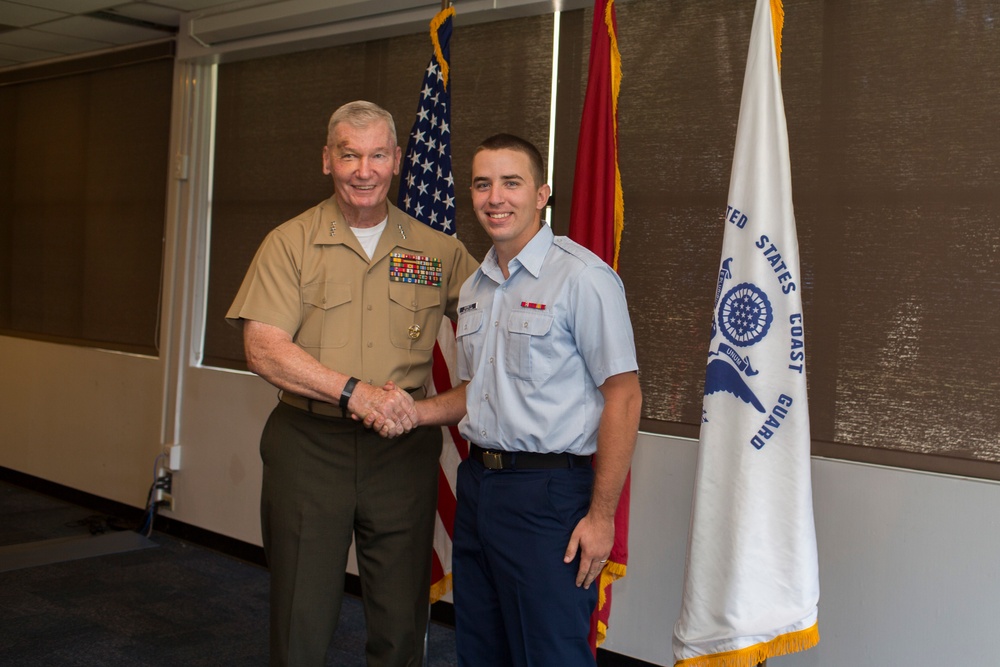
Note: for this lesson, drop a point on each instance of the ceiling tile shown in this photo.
(47, 41)
(21, 15)
(105, 31)
(147, 12)
(76, 6)
(195, 5)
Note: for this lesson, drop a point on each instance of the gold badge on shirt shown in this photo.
(416, 269)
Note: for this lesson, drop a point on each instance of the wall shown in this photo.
(908, 566)
(80, 417)
(908, 569)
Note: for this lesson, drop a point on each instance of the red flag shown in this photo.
(596, 218)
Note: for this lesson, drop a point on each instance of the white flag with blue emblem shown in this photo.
(751, 585)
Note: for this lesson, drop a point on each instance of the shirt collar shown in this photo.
(333, 229)
(531, 256)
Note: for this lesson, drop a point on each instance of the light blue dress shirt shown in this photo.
(536, 346)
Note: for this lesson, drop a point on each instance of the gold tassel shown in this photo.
(440, 18)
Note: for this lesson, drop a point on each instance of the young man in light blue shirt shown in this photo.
(550, 404)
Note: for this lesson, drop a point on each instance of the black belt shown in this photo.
(328, 409)
(497, 460)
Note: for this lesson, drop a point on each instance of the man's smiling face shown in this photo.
(362, 161)
(506, 199)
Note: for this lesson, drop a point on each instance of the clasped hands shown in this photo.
(387, 410)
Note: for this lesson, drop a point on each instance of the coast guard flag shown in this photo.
(752, 583)
(597, 215)
(427, 192)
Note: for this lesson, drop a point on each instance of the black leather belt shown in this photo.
(497, 460)
(329, 409)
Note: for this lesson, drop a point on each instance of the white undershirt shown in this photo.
(368, 236)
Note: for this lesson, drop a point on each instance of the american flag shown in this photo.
(427, 192)
(426, 186)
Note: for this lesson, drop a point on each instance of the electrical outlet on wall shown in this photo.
(163, 489)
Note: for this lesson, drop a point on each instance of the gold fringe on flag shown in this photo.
(440, 18)
(616, 85)
(440, 588)
(778, 23)
(611, 573)
(752, 656)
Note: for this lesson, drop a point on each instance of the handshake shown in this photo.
(387, 410)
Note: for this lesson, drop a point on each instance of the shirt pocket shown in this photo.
(529, 345)
(414, 315)
(469, 322)
(469, 333)
(325, 315)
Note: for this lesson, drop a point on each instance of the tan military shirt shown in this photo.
(376, 319)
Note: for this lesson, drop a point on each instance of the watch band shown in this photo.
(345, 395)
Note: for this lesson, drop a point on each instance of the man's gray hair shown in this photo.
(360, 114)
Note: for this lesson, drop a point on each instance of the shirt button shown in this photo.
(486, 397)
(371, 344)
(369, 306)
(491, 361)
(496, 323)
(482, 433)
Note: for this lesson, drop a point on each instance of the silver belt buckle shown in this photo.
(493, 460)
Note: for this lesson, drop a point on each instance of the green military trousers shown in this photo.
(327, 479)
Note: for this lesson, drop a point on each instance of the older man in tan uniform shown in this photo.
(340, 309)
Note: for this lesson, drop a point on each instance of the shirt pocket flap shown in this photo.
(326, 295)
(413, 297)
(469, 322)
(529, 323)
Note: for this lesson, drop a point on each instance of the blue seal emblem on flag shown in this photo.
(745, 315)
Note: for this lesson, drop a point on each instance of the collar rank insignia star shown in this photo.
(535, 306)
(416, 269)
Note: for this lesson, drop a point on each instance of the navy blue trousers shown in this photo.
(516, 602)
